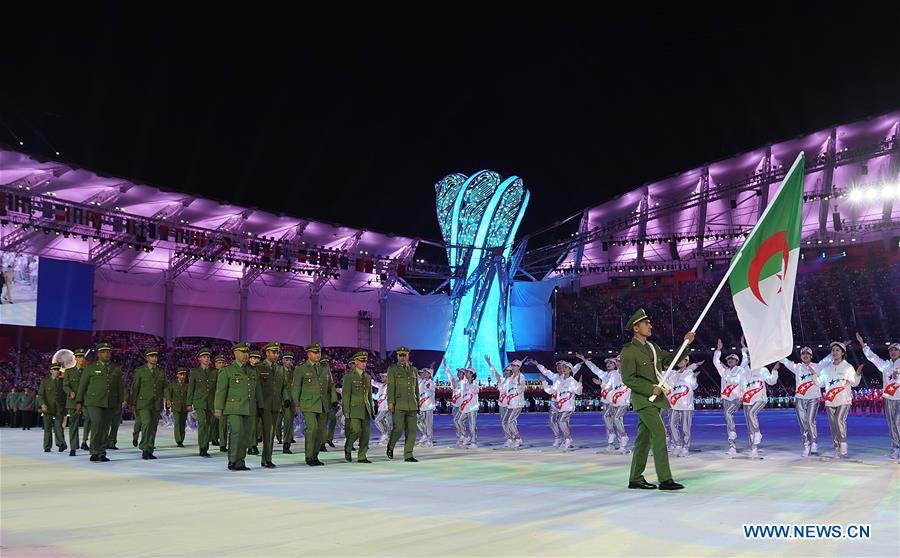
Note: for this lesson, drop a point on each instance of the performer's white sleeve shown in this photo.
(546, 372)
(881, 365)
(717, 361)
(595, 370)
(790, 365)
(745, 357)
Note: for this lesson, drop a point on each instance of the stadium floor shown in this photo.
(485, 502)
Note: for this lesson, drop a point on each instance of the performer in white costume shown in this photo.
(890, 381)
(753, 386)
(807, 394)
(837, 379)
(563, 392)
(425, 420)
(383, 416)
(732, 397)
(683, 382)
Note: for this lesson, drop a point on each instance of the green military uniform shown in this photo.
(270, 399)
(287, 413)
(71, 378)
(356, 395)
(147, 394)
(52, 395)
(201, 395)
(219, 428)
(236, 393)
(102, 391)
(331, 416)
(116, 420)
(642, 364)
(253, 435)
(312, 391)
(176, 395)
(403, 394)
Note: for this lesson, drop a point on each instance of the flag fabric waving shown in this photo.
(765, 270)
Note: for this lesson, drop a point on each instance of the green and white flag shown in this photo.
(765, 270)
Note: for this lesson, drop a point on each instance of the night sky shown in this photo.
(351, 116)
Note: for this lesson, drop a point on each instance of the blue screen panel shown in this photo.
(65, 295)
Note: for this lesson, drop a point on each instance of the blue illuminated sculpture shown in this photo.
(479, 216)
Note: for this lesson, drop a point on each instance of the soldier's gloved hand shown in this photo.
(287, 403)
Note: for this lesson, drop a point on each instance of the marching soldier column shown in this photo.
(176, 403)
(147, 394)
(271, 397)
(101, 390)
(71, 379)
(356, 394)
(312, 392)
(201, 396)
(52, 396)
(403, 403)
(236, 403)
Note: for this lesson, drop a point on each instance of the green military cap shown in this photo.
(314, 348)
(104, 346)
(402, 350)
(241, 346)
(79, 352)
(54, 366)
(204, 351)
(638, 316)
(273, 346)
(151, 351)
(361, 356)
(287, 354)
(181, 369)
(255, 353)
(220, 358)
(324, 360)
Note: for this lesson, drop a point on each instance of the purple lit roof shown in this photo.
(83, 186)
(862, 172)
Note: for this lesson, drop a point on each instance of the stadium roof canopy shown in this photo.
(35, 177)
(851, 178)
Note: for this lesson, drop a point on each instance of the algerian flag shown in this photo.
(764, 272)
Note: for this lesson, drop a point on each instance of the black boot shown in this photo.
(85, 447)
(286, 449)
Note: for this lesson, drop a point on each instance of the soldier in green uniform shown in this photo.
(236, 402)
(311, 392)
(356, 394)
(148, 393)
(116, 420)
(71, 378)
(53, 404)
(287, 413)
(102, 391)
(403, 403)
(219, 428)
(331, 419)
(254, 437)
(201, 394)
(176, 402)
(271, 398)
(642, 365)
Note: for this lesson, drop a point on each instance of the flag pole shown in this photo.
(731, 267)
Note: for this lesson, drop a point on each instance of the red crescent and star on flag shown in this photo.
(775, 244)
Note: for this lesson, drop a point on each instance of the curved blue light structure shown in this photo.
(479, 216)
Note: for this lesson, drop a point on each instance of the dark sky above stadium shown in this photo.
(351, 115)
